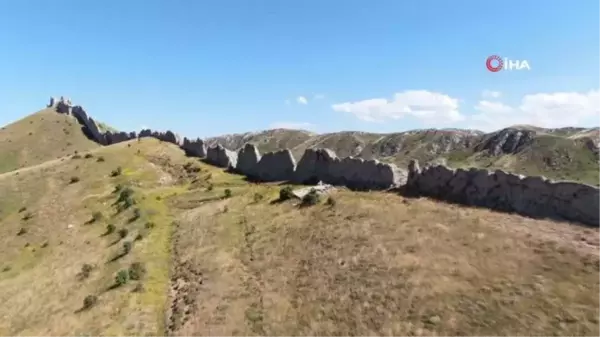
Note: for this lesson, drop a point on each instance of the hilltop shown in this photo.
(138, 238)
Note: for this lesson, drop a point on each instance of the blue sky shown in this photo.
(205, 68)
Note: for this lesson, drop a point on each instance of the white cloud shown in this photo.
(291, 125)
(429, 107)
(491, 94)
(551, 110)
(301, 100)
(319, 96)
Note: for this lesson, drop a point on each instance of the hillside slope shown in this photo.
(39, 137)
(136, 239)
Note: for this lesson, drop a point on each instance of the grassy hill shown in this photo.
(137, 239)
(39, 137)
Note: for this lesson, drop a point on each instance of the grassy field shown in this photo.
(375, 263)
(58, 243)
(137, 239)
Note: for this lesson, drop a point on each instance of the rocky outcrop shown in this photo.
(506, 141)
(323, 165)
(247, 159)
(194, 148)
(221, 157)
(276, 166)
(530, 196)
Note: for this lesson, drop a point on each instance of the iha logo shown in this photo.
(495, 63)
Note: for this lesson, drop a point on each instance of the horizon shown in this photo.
(206, 69)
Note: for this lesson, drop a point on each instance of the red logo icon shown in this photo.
(489, 63)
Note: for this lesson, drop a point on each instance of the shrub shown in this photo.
(311, 198)
(74, 180)
(139, 288)
(124, 193)
(258, 197)
(227, 193)
(286, 193)
(22, 231)
(137, 270)
(127, 247)
(137, 213)
(122, 277)
(86, 269)
(22, 209)
(97, 216)
(139, 237)
(123, 232)
(88, 155)
(100, 159)
(27, 216)
(110, 229)
(149, 225)
(331, 201)
(89, 301)
(210, 187)
(116, 172)
(45, 244)
(76, 156)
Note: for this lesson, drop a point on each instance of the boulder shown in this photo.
(276, 166)
(248, 158)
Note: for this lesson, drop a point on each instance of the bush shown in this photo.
(86, 269)
(210, 187)
(331, 201)
(139, 237)
(22, 209)
(89, 301)
(137, 213)
(116, 172)
(100, 159)
(22, 231)
(149, 225)
(137, 270)
(258, 197)
(27, 216)
(311, 198)
(122, 277)
(88, 155)
(97, 216)
(76, 156)
(286, 193)
(124, 193)
(123, 232)
(227, 193)
(110, 229)
(74, 180)
(127, 247)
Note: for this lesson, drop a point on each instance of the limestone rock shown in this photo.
(276, 166)
(195, 148)
(248, 158)
(221, 157)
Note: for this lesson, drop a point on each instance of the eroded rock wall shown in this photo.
(499, 190)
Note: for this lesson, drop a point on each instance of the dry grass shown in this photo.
(377, 263)
(370, 264)
(41, 288)
(40, 137)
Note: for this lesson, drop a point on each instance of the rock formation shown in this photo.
(194, 148)
(276, 166)
(221, 157)
(247, 160)
(530, 196)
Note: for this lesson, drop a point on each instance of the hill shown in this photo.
(561, 154)
(42, 136)
(135, 238)
(218, 262)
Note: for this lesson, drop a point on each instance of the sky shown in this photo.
(205, 67)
